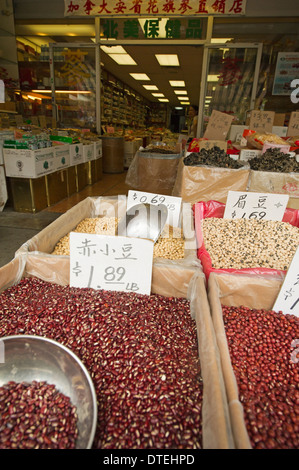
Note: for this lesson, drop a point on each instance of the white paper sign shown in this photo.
(111, 263)
(250, 205)
(172, 203)
(287, 300)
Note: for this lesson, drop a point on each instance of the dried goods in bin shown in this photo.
(212, 157)
(140, 351)
(276, 161)
(261, 347)
(35, 415)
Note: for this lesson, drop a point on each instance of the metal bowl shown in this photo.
(24, 358)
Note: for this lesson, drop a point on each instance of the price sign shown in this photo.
(260, 206)
(218, 126)
(172, 203)
(287, 300)
(261, 121)
(293, 128)
(111, 263)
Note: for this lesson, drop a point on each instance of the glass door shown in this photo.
(74, 85)
(229, 81)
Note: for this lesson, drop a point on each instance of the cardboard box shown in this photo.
(216, 426)
(24, 163)
(62, 156)
(235, 290)
(81, 176)
(88, 152)
(99, 168)
(3, 188)
(194, 183)
(29, 194)
(76, 154)
(98, 150)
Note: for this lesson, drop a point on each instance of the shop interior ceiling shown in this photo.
(265, 30)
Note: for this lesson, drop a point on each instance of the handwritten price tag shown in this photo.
(172, 203)
(111, 263)
(260, 206)
(287, 300)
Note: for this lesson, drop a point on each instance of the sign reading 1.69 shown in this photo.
(259, 206)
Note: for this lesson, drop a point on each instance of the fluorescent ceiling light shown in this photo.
(213, 78)
(70, 92)
(177, 83)
(150, 87)
(164, 100)
(113, 49)
(168, 60)
(178, 107)
(140, 76)
(183, 98)
(207, 97)
(158, 94)
(180, 92)
(220, 40)
(123, 59)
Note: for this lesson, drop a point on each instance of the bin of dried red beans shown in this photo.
(141, 353)
(262, 359)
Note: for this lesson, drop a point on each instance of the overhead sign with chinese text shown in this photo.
(153, 7)
(111, 263)
(259, 206)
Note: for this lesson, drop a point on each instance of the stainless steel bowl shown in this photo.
(25, 358)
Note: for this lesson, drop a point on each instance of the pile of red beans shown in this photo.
(141, 352)
(263, 348)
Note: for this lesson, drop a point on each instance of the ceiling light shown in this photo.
(183, 98)
(178, 107)
(213, 78)
(177, 82)
(72, 92)
(123, 59)
(113, 49)
(158, 94)
(220, 40)
(168, 60)
(164, 100)
(150, 87)
(207, 97)
(180, 92)
(140, 76)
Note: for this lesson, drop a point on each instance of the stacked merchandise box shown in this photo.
(130, 149)
(209, 422)
(256, 346)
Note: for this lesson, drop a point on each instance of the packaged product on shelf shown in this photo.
(256, 347)
(209, 174)
(245, 246)
(181, 357)
(175, 257)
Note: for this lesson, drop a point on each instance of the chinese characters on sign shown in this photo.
(287, 300)
(153, 7)
(218, 126)
(259, 206)
(111, 263)
(261, 121)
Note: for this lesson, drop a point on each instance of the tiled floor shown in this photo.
(16, 227)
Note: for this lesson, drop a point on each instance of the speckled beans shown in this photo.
(36, 416)
(249, 243)
(262, 346)
(141, 352)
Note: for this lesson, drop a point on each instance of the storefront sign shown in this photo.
(287, 301)
(153, 7)
(259, 206)
(287, 69)
(111, 263)
(172, 203)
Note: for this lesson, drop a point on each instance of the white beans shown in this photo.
(249, 243)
